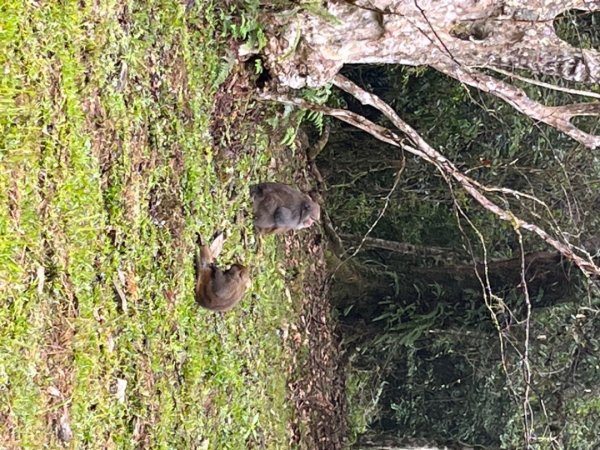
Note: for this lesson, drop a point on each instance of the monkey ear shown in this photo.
(217, 245)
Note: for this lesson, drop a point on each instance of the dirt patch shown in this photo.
(142, 161)
(143, 152)
(59, 357)
(143, 423)
(164, 204)
(59, 335)
(8, 431)
(178, 81)
(318, 384)
(106, 145)
(14, 197)
(235, 116)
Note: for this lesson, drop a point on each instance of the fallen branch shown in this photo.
(400, 247)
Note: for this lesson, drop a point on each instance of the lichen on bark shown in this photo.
(308, 49)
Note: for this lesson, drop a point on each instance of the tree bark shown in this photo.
(308, 48)
(456, 37)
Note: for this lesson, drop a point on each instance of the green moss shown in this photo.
(105, 113)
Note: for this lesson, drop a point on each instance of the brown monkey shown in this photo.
(279, 208)
(215, 289)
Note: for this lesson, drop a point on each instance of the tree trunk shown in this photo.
(548, 282)
(309, 48)
(456, 37)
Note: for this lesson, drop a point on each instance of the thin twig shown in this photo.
(542, 84)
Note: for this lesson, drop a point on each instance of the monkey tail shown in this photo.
(197, 256)
(203, 270)
(197, 273)
(203, 256)
(197, 263)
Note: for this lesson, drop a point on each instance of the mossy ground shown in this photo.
(107, 173)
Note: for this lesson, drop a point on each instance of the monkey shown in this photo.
(218, 290)
(279, 208)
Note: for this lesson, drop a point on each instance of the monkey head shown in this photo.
(311, 213)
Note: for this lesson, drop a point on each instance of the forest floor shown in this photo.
(119, 141)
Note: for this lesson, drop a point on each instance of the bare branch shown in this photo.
(318, 146)
(528, 416)
(556, 116)
(426, 152)
(400, 247)
(550, 86)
